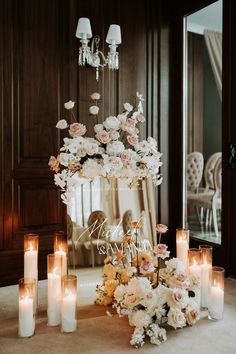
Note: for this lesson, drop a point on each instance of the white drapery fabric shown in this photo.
(213, 42)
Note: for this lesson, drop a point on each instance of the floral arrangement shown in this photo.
(114, 151)
(151, 296)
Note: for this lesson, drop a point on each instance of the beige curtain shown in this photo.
(149, 208)
(214, 45)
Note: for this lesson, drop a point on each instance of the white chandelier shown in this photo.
(93, 56)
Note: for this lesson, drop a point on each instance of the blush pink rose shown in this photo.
(192, 316)
(131, 130)
(124, 156)
(103, 137)
(131, 122)
(161, 251)
(161, 229)
(77, 129)
(132, 139)
(54, 164)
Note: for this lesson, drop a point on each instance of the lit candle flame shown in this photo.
(68, 294)
(31, 248)
(55, 270)
(26, 296)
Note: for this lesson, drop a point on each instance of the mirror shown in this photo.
(114, 205)
(203, 115)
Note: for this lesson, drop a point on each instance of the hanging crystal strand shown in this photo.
(116, 61)
(97, 73)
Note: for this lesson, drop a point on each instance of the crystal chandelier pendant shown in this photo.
(92, 55)
(113, 61)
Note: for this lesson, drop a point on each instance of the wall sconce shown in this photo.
(93, 56)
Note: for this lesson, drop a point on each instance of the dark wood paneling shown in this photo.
(32, 89)
(39, 72)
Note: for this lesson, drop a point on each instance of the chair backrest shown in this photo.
(97, 223)
(218, 177)
(195, 164)
(127, 221)
(209, 170)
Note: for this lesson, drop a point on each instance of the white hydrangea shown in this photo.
(139, 318)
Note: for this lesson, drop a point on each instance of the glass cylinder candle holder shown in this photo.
(69, 303)
(206, 269)
(182, 245)
(31, 247)
(31, 244)
(26, 327)
(194, 268)
(216, 300)
(61, 248)
(54, 263)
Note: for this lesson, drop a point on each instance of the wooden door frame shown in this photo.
(222, 255)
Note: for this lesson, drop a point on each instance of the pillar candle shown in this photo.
(68, 312)
(31, 264)
(205, 284)
(216, 303)
(54, 298)
(182, 245)
(216, 299)
(26, 317)
(206, 270)
(64, 260)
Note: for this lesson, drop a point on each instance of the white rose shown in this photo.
(69, 105)
(98, 128)
(114, 135)
(95, 96)
(92, 149)
(92, 169)
(128, 107)
(115, 148)
(116, 163)
(94, 110)
(177, 298)
(62, 124)
(162, 293)
(112, 123)
(176, 318)
(122, 118)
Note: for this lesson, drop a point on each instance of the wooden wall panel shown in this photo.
(32, 89)
(39, 72)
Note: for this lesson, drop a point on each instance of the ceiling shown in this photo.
(209, 17)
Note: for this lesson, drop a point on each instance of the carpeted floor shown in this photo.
(100, 334)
